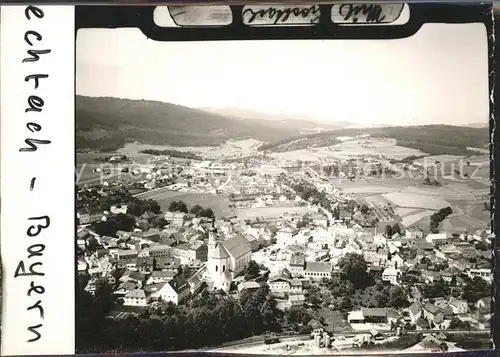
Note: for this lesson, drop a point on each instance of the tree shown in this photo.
(354, 268)
(457, 324)
(178, 206)
(207, 212)
(398, 297)
(388, 231)
(345, 304)
(364, 209)
(196, 210)
(252, 270)
(475, 289)
(396, 229)
(134, 208)
(159, 222)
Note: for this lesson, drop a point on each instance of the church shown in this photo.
(227, 258)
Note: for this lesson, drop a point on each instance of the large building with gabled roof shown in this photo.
(226, 258)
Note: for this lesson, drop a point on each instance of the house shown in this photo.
(161, 276)
(167, 263)
(176, 218)
(133, 276)
(437, 238)
(196, 281)
(248, 285)
(125, 287)
(396, 262)
(320, 220)
(188, 253)
(295, 287)
(89, 215)
(284, 236)
(484, 274)
(416, 311)
(279, 284)
(158, 251)
(391, 275)
(317, 270)
(253, 241)
(109, 278)
(368, 315)
(117, 209)
(458, 306)
(296, 300)
(137, 297)
(176, 290)
(144, 265)
(433, 315)
(483, 304)
(91, 286)
(414, 232)
(129, 255)
(154, 290)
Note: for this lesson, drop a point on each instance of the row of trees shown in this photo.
(137, 207)
(173, 153)
(438, 217)
(197, 210)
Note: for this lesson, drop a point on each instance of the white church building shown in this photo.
(226, 258)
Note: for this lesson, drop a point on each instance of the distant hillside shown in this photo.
(108, 123)
(299, 122)
(431, 139)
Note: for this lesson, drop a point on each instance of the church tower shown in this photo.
(212, 237)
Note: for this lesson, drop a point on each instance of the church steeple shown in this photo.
(212, 236)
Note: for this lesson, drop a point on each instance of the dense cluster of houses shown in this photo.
(175, 261)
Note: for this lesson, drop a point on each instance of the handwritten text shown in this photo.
(283, 15)
(35, 102)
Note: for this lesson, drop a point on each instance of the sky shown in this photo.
(437, 76)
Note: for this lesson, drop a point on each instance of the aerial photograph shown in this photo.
(298, 197)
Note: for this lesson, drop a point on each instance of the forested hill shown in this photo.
(107, 123)
(431, 139)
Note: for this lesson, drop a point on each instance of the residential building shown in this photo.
(414, 232)
(391, 275)
(188, 253)
(176, 218)
(279, 284)
(176, 290)
(284, 236)
(137, 297)
(161, 276)
(458, 306)
(295, 287)
(437, 238)
(416, 311)
(89, 215)
(296, 300)
(144, 265)
(484, 274)
(296, 265)
(433, 315)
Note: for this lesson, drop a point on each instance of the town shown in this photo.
(197, 253)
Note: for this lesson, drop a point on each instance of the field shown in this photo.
(415, 200)
(349, 149)
(252, 213)
(219, 204)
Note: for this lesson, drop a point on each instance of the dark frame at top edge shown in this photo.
(92, 16)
